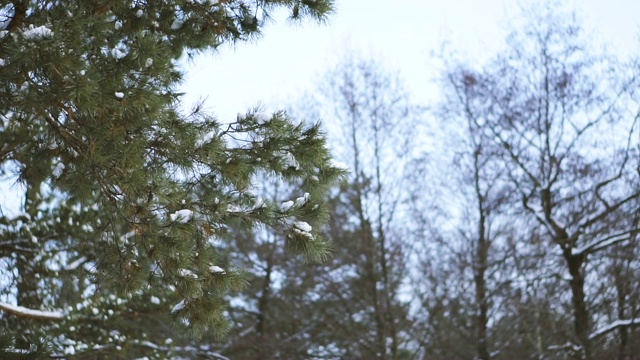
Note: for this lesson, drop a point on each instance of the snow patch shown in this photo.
(35, 33)
(182, 216)
(186, 273)
(118, 53)
(303, 199)
(302, 226)
(217, 269)
(177, 24)
(155, 300)
(119, 95)
(177, 307)
(57, 171)
(289, 160)
(303, 229)
(286, 206)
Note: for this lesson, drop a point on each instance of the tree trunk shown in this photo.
(580, 312)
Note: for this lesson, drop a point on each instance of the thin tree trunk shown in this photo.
(480, 268)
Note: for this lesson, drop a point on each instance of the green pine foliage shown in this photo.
(126, 197)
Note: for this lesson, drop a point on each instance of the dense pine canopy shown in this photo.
(126, 197)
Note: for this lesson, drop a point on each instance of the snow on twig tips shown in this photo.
(186, 273)
(181, 216)
(217, 270)
(285, 206)
(39, 32)
(303, 229)
(57, 171)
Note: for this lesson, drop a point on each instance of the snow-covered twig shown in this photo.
(75, 264)
(21, 311)
(602, 243)
(614, 325)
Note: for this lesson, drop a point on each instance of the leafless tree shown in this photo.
(565, 119)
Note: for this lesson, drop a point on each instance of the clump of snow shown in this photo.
(57, 171)
(155, 300)
(148, 63)
(187, 273)
(177, 24)
(69, 350)
(289, 160)
(25, 86)
(39, 32)
(82, 72)
(182, 216)
(303, 226)
(118, 25)
(139, 13)
(179, 306)
(1, 62)
(259, 204)
(118, 53)
(303, 199)
(217, 269)
(303, 229)
(119, 95)
(285, 206)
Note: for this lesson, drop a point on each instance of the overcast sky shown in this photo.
(288, 59)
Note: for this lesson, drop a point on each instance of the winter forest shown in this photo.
(499, 222)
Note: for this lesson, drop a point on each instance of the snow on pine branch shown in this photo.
(182, 216)
(34, 33)
(21, 311)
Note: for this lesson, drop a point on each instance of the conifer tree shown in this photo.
(124, 195)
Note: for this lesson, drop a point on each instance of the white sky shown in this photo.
(288, 59)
